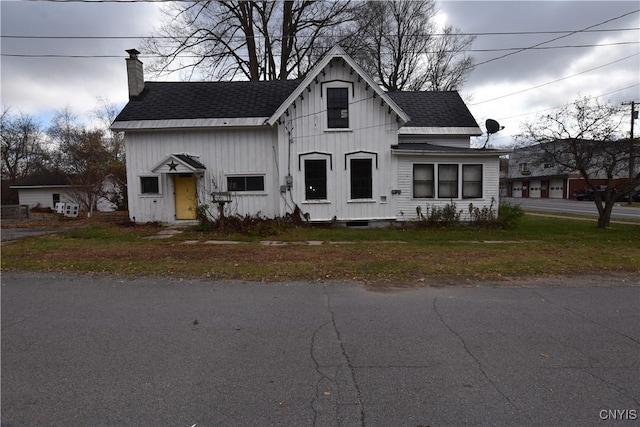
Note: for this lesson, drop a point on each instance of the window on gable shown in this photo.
(245, 183)
(471, 181)
(149, 185)
(315, 179)
(361, 179)
(337, 108)
(423, 181)
(448, 181)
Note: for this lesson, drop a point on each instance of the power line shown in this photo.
(107, 1)
(555, 81)
(53, 55)
(506, 33)
(558, 38)
(568, 103)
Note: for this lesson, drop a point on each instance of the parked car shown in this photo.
(589, 194)
(635, 197)
(580, 194)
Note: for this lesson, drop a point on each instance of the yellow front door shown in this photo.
(186, 196)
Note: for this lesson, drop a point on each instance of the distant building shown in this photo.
(532, 174)
(45, 189)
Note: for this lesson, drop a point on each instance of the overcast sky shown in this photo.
(510, 89)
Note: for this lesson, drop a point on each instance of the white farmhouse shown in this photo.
(334, 145)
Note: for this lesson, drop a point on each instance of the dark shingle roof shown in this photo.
(43, 179)
(199, 100)
(236, 99)
(434, 109)
(191, 161)
(425, 146)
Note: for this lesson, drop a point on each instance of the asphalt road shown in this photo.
(620, 210)
(92, 351)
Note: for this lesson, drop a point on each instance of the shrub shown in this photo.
(204, 218)
(442, 216)
(485, 216)
(509, 215)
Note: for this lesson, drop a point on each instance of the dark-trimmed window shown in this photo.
(361, 179)
(337, 107)
(245, 183)
(471, 181)
(315, 179)
(423, 187)
(149, 185)
(448, 181)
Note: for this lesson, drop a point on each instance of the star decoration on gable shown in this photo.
(172, 166)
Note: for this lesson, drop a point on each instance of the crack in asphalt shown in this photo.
(330, 371)
(611, 385)
(464, 344)
(322, 375)
(568, 310)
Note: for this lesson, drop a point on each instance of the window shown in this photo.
(361, 179)
(448, 181)
(471, 181)
(245, 183)
(338, 108)
(422, 181)
(56, 199)
(522, 167)
(149, 185)
(315, 179)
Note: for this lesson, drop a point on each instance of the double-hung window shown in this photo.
(337, 108)
(361, 179)
(423, 181)
(315, 179)
(471, 181)
(448, 181)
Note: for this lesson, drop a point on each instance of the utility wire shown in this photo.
(555, 81)
(506, 33)
(568, 103)
(53, 55)
(556, 38)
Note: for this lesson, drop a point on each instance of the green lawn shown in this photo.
(538, 246)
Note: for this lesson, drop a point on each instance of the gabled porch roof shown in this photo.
(179, 163)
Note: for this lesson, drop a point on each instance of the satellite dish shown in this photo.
(492, 126)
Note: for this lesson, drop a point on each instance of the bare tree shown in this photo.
(89, 170)
(63, 132)
(113, 142)
(257, 40)
(92, 160)
(397, 42)
(583, 137)
(447, 66)
(22, 148)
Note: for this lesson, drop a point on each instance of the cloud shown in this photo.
(40, 85)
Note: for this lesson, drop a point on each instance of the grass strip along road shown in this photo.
(537, 247)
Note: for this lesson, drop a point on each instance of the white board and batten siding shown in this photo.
(407, 204)
(371, 132)
(224, 152)
(42, 197)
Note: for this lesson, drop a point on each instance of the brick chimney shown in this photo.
(135, 74)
